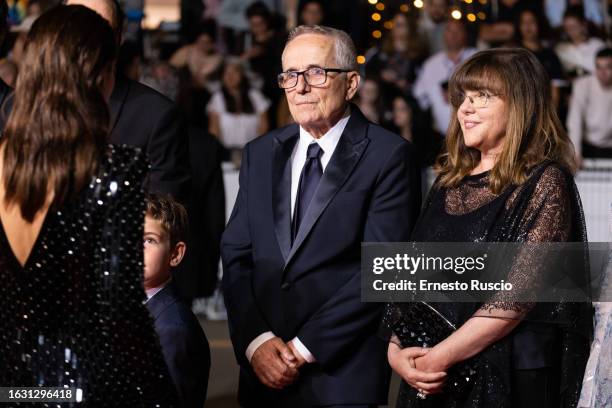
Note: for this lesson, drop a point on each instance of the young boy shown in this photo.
(183, 342)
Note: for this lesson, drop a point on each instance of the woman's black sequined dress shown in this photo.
(546, 208)
(74, 315)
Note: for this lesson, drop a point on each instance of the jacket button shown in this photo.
(286, 286)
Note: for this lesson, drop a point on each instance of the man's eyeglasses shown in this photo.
(313, 76)
(478, 101)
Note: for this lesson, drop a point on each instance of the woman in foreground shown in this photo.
(71, 212)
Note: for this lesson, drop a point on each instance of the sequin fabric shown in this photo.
(74, 315)
(545, 208)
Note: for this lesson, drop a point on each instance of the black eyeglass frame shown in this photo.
(298, 73)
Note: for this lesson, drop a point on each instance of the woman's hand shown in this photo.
(403, 363)
(431, 362)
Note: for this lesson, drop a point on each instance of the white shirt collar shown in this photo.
(153, 291)
(329, 140)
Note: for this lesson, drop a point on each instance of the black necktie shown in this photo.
(309, 180)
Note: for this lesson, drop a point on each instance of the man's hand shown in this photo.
(274, 364)
(300, 361)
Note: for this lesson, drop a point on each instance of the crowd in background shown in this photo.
(222, 69)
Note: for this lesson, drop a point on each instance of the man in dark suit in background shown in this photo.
(310, 194)
(142, 117)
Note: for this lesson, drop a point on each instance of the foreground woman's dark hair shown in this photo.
(58, 108)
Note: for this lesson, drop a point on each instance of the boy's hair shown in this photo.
(171, 214)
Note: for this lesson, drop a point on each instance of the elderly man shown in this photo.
(310, 193)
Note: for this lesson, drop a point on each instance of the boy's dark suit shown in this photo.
(184, 346)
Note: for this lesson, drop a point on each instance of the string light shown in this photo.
(456, 14)
(471, 17)
(372, 1)
(418, 3)
(468, 1)
(388, 25)
(482, 15)
(376, 34)
(361, 59)
(380, 6)
(404, 8)
(376, 17)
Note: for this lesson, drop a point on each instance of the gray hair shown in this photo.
(346, 53)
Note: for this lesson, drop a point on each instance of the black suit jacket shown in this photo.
(142, 117)
(196, 276)
(370, 191)
(184, 346)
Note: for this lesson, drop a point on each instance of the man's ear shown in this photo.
(178, 253)
(353, 79)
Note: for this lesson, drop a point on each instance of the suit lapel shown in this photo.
(281, 186)
(350, 147)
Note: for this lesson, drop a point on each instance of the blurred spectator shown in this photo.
(432, 24)
(196, 14)
(21, 31)
(402, 118)
(400, 56)
(8, 72)
(498, 28)
(34, 8)
(212, 8)
(201, 58)
(312, 12)
(408, 121)
(370, 101)
(589, 120)
(264, 55)
(234, 25)
(532, 32)
(237, 113)
(162, 77)
(428, 88)
(577, 53)
(129, 62)
(593, 10)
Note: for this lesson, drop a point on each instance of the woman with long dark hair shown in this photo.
(71, 212)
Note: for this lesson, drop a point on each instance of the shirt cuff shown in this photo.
(259, 340)
(301, 348)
